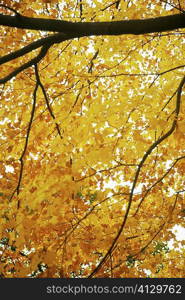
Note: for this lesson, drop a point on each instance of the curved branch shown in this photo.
(11, 9)
(53, 39)
(33, 61)
(148, 152)
(27, 49)
(149, 25)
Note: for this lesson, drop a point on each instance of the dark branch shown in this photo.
(54, 38)
(33, 61)
(11, 9)
(158, 24)
(47, 103)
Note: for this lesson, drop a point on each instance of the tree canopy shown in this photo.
(92, 138)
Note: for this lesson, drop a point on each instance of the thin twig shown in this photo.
(105, 170)
(11, 9)
(157, 182)
(47, 103)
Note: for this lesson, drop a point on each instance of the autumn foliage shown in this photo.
(92, 143)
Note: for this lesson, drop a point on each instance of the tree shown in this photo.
(92, 138)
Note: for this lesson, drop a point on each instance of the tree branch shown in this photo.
(21, 159)
(148, 152)
(158, 24)
(28, 64)
(54, 38)
(11, 9)
(105, 170)
(47, 103)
